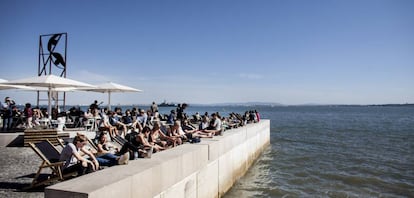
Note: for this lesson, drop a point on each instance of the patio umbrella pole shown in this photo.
(49, 107)
(109, 100)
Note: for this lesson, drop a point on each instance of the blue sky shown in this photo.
(290, 52)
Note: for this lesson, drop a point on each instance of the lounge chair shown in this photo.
(93, 144)
(50, 156)
(122, 141)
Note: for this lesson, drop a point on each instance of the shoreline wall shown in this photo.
(207, 169)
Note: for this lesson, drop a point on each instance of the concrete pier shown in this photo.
(203, 170)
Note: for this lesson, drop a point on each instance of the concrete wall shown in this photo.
(11, 139)
(203, 170)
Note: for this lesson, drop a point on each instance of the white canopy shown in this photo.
(49, 81)
(7, 86)
(109, 88)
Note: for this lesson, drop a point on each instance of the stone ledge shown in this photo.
(185, 169)
(164, 168)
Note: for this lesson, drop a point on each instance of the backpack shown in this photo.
(131, 136)
(195, 140)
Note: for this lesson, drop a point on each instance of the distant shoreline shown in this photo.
(255, 105)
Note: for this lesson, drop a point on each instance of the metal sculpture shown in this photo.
(53, 56)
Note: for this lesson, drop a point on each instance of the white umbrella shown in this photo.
(58, 89)
(109, 88)
(49, 81)
(7, 86)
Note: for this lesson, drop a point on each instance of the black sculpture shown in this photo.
(51, 45)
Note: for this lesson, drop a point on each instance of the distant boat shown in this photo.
(165, 104)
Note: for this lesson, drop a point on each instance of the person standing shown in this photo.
(172, 117)
(94, 108)
(154, 108)
(28, 113)
(7, 115)
(180, 112)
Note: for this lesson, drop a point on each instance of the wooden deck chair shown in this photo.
(50, 156)
(60, 144)
(92, 144)
(120, 140)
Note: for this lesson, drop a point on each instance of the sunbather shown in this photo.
(189, 129)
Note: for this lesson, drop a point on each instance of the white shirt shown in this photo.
(217, 124)
(68, 156)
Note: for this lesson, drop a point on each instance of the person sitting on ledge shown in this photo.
(143, 139)
(197, 117)
(175, 131)
(110, 155)
(74, 160)
(252, 117)
(215, 126)
(257, 115)
(205, 122)
(158, 137)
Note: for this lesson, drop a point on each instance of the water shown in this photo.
(323, 151)
(334, 152)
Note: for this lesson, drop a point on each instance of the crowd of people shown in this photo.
(13, 117)
(137, 133)
(124, 135)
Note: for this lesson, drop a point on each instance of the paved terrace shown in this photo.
(18, 165)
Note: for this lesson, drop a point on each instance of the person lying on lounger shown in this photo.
(189, 129)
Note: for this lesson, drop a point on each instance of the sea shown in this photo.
(334, 151)
(329, 151)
